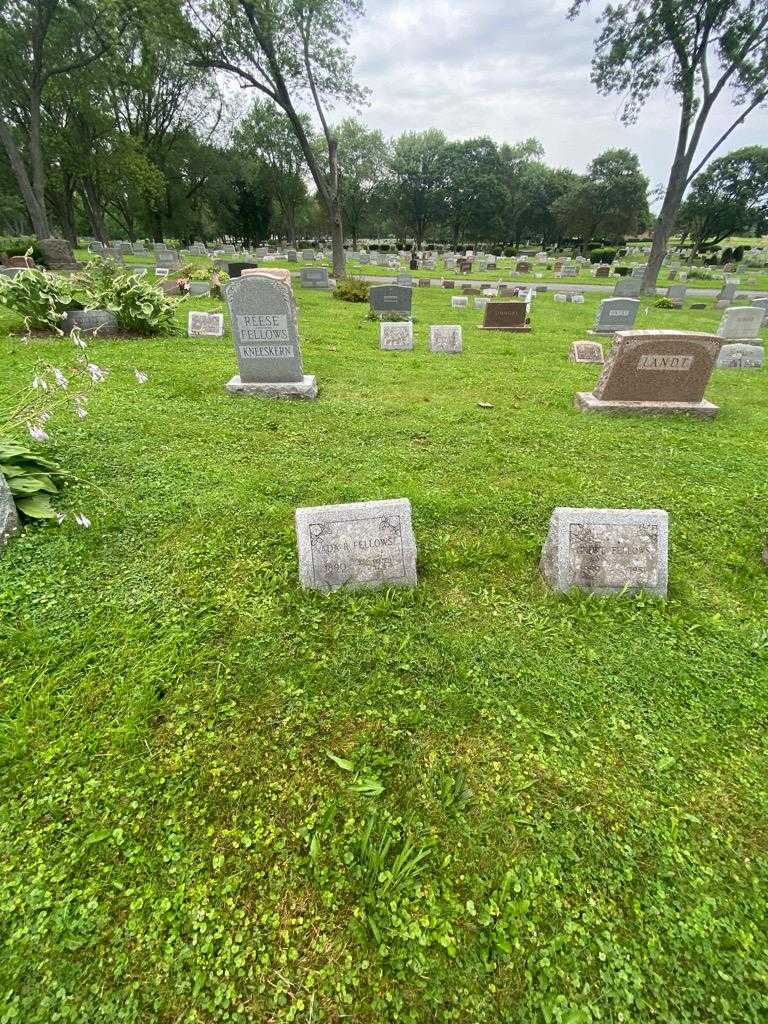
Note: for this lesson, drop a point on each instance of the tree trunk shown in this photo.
(94, 210)
(337, 244)
(37, 214)
(665, 224)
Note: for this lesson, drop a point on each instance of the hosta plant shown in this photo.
(33, 480)
(43, 299)
(138, 306)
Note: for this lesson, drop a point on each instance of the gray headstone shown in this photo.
(741, 323)
(607, 551)
(308, 255)
(390, 298)
(445, 338)
(459, 301)
(262, 313)
(627, 287)
(315, 277)
(741, 356)
(363, 544)
(9, 517)
(205, 325)
(762, 304)
(616, 314)
(396, 336)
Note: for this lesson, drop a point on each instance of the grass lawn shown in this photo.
(751, 280)
(539, 808)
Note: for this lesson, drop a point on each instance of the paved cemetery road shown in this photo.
(552, 286)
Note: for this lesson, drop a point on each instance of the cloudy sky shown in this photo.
(510, 70)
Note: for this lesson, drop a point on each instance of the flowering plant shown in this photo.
(33, 480)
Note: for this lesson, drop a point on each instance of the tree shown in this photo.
(474, 188)
(418, 180)
(729, 197)
(363, 162)
(266, 135)
(610, 201)
(701, 50)
(285, 49)
(41, 42)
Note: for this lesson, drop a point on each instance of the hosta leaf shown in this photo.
(36, 506)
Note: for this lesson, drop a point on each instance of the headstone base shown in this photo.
(585, 401)
(515, 330)
(306, 388)
(605, 334)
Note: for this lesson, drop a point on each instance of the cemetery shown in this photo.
(383, 600)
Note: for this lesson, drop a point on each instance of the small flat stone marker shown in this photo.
(363, 544)
(445, 338)
(396, 336)
(586, 352)
(262, 312)
(607, 550)
(205, 325)
(655, 372)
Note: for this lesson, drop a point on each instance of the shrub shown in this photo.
(352, 289)
(665, 303)
(20, 246)
(42, 298)
(31, 479)
(699, 274)
(604, 254)
(137, 305)
(622, 271)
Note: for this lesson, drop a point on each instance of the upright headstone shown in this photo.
(292, 256)
(726, 295)
(603, 270)
(741, 323)
(205, 325)
(676, 292)
(459, 301)
(362, 544)
(762, 304)
(657, 372)
(445, 338)
(263, 316)
(315, 277)
(396, 336)
(390, 298)
(607, 550)
(505, 316)
(615, 315)
(308, 255)
(627, 287)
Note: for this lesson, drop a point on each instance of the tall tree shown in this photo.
(418, 180)
(286, 49)
(702, 50)
(363, 162)
(41, 42)
(266, 135)
(729, 197)
(611, 200)
(474, 188)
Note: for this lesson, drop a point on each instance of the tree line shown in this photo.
(113, 117)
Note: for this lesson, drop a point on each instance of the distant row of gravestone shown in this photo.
(371, 544)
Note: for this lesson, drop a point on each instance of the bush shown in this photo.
(604, 254)
(31, 479)
(622, 271)
(699, 274)
(352, 289)
(665, 303)
(20, 246)
(137, 305)
(41, 298)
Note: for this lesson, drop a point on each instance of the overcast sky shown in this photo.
(510, 71)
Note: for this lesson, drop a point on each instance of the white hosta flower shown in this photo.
(80, 411)
(97, 374)
(60, 517)
(40, 384)
(82, 520)
(140, 376)
(59, 377)
(36, 432)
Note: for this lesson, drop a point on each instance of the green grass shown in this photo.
(570, 823)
